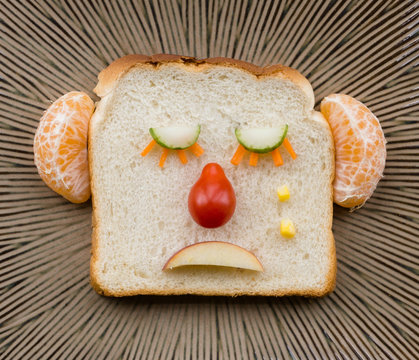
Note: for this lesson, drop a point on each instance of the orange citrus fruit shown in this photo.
(360, 148)
(60, 146)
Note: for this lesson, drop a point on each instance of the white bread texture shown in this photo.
(140, 211)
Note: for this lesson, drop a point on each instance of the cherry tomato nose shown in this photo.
(212, 200)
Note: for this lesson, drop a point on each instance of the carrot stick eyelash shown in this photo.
(182, 156)
(276, 155)
(289, 148)
(253, 161)
(163, 157)
(238, 155)
(277, 158)
(148, 148)
(195, 149)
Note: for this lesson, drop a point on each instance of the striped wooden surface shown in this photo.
(368, 49)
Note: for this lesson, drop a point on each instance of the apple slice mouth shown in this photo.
(214, 253)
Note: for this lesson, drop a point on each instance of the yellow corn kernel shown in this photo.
(287, 228)
(283, 193)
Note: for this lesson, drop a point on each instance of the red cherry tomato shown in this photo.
(212, 200)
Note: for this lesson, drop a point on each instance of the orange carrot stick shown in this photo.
(182, 156)
(163, 157)
(196, 150)
(253, 161)
(277, 158)
(289, 148)
(238, 155)
(148, 147)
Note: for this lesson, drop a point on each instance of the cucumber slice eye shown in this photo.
(176, 138)
(261, 140)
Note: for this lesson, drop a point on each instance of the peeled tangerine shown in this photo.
(60, 146)
(360, 148)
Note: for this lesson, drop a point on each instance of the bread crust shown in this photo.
(331, 275)
(95, 218)
(108, 78)
(110, 75)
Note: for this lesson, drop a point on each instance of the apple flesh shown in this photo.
(214, 253)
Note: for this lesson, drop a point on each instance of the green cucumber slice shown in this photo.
(261, 140)
(176, 138)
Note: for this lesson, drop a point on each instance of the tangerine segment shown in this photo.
(360, 148)
(60, 146)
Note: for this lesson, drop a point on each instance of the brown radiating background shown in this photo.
(368, 49)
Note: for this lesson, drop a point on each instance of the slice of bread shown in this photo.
(140, 211)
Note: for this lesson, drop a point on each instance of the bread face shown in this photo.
(140, 212)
